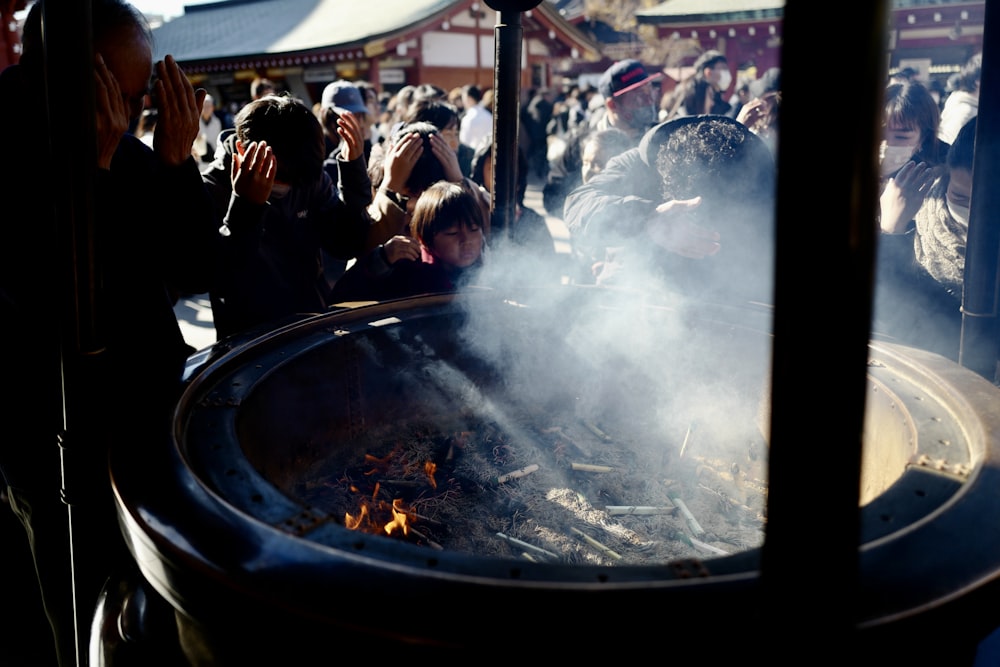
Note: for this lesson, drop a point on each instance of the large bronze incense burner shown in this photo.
(229, 529)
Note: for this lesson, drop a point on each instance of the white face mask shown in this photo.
(891, 158)
(725, 78)
(960, 213)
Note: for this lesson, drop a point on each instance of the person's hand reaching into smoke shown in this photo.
(671, 228)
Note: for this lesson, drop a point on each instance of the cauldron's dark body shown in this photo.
(256, 574)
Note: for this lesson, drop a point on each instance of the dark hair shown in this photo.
(732, 170)
(443, 205)
(291, 129)
(478, 168)
(369, 93)
(960, 153)
(261, 86)
(473, 91)
(971, 72)
(428, 91)
(910, 104)
(428, 169)
(108, 17)
(436, 112)
(328, 118)
(400, 102)
(714, 154)
(708, 59)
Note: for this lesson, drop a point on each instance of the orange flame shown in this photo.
(398, 519)
(355, 523)
(430, 468)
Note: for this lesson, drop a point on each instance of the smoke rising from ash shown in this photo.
(648, 363)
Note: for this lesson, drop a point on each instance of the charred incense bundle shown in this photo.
(530, 547)
(594, 543)
(586, 467)
(639, 510)
(526, 470)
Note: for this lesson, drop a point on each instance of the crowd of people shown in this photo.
(288, 208)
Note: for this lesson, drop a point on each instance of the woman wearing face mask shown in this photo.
(919, 297)
(942, 223)
(704, 91)
(910, 155)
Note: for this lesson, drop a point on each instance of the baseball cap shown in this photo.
(623, 76)
(343, 96)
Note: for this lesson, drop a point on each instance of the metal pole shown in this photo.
(825, 250)
(978, 350)
(67, 42)
(507, 104)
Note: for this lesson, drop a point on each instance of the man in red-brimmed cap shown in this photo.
(631, 97)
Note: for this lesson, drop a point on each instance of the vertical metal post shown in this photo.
(980, 330)
(67, 42)
(507, 103)
(825, 251)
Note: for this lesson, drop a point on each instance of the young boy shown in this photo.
(278, 208)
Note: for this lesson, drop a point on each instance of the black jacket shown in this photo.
(271, 266)
(153, 238)
(612, 210)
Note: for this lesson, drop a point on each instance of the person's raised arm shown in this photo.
(179, 109)
(903, 195)
(112, 114)
(447, 157)
(253, 172)
(350, 132)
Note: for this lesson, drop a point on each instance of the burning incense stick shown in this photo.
(525, 545)
(586, 467)
(526, 470)
(594, 543)
(692, 522)
(639, 510)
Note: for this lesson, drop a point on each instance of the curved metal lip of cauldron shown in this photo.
(203, 542)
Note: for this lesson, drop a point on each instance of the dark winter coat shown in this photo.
(372, 278)
(610, 213)
(271, 267)
(153, 238)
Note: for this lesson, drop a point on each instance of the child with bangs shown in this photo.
(443, 252)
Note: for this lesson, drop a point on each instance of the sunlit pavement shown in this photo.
(194, 314)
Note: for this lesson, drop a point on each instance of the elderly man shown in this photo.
(153, 236)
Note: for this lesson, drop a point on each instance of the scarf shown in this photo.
(939, 242)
